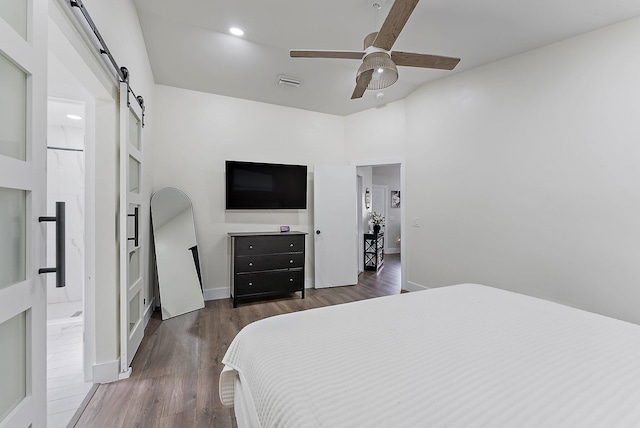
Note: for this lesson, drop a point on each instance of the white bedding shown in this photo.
(459, 356)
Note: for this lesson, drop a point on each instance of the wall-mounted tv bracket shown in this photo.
(60, 269)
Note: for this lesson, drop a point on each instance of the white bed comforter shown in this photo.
(459, 356)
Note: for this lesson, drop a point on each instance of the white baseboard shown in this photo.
(125, 375)
(309, 283)
(147, 313)
(216, 293)
(412, 286)
(106, 372)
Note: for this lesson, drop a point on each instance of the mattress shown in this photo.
(460, 356)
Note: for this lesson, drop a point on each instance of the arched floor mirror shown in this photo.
(176, 252)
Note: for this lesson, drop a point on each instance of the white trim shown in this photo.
(106, 372)
(14, 300)
(18, 175)
(148, 311)
(412, 286)
(18, 50)
(125, 374)
(89, 289)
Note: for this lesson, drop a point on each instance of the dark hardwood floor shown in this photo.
(174, 380)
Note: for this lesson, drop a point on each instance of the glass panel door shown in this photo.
(13, 368)
(13, 109)
(23, 120)
(132, 247)
(14, 12)
(13, 255)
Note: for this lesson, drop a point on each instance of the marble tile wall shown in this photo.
(65, 182)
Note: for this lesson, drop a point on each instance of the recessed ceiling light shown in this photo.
(236, 31)
(74, 117)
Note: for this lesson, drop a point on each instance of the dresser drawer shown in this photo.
(267, 282)
(249, 245)
(268, 262)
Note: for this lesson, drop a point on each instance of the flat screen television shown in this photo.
(252, 185)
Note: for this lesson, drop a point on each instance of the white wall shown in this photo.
(378, 133)
(196, 132)
(524, 174)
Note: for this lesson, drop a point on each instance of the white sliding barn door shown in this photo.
(131, 246)
(336, 225)
(23, 133)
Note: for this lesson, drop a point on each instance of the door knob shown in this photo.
(317, 232)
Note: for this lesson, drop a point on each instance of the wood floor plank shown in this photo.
(175, 373)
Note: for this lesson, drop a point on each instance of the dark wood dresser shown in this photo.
(266, 263)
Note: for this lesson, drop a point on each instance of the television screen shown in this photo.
(252, 185)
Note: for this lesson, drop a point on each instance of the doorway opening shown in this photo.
(66, 387)
(380, 186)
(70, 179)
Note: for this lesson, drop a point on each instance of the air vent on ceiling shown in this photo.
(290, 81)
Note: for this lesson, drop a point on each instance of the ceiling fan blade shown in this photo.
(361, 84)
(394, 23)
(358, 92)
(424, 61)
(294, 53)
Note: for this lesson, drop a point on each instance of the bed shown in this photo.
(460, 356)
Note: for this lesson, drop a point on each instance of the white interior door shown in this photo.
(131, 246)
(23, 120)
(336, 225)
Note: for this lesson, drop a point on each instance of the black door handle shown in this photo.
(136, 234)
(317, 232)
(60, 269)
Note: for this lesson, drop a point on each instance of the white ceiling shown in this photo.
(190, 47)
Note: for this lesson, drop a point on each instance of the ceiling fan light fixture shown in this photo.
(385, 72)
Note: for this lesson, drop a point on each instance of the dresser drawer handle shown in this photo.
(251, 283)
(291, 245)
(290, 261)
(251, 247)
(250, 263)
(290, 279)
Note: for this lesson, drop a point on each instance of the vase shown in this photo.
(376, 228)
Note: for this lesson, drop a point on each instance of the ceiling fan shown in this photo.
(378, 69)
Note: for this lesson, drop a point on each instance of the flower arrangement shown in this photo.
(377, 218)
